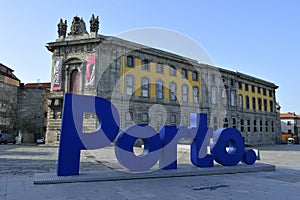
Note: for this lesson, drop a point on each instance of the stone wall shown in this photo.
(30, 112)
(8, 107)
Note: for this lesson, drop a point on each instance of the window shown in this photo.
(224, 93)
(172, 70)
(196, 94)
(145, 65)
(173, 119)
(242, 125)
(184, 93)
(231, 82)
(259, 104)
(172, 91)
(159, 89)
(246, 87)
(289, 123)
(240, 85)
(195, 76)
(241, 103)
(248, 125)
(184, 74)
(129, 84)
(247, 102)
(253, 103)
(145, 117)
(264, 91)
(215, 121)
(160, 117)
(75, 81)
(185, 119)
(130, 61)
(225, 122)
(289, 131)
(254, 125)
(265, 105)
(234, 122)
(159, 68)
(232, 98)
(260, 126)
(258, 90)
(271, 106)
(267, 126)
(253, 88)
(145, 87)
(270, 93)
(213, 78)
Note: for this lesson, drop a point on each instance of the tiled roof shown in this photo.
(38, 85)
(289, 115)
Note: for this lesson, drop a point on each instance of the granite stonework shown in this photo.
(31, 112)
(219, 92)
(9, 84)
(23, 107)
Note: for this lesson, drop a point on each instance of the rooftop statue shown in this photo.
(62, 28)
(94, 24)
(78, 27)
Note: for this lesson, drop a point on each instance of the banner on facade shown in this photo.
(90, 71)
(57, 74)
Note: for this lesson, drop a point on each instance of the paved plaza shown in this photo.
(19, 163)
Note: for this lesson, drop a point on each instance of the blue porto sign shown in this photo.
(227, 145)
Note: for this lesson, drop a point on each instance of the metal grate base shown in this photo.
(183, 170)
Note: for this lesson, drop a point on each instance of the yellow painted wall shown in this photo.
(256, 95)
(153, 76)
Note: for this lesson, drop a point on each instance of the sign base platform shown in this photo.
(118, 175)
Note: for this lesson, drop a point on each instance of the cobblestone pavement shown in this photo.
(18, 163)
(26, 160)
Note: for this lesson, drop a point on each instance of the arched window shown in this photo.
(145, 87)
(172, 91)
(196, 94)
(129, 84)
(159, 89)
(185, 93)
(232, 98)
(75, 81)
(241, 103)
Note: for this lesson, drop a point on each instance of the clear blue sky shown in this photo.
(260, 38)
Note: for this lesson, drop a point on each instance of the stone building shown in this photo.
(151, 86)
(32, 110)
(9, 84)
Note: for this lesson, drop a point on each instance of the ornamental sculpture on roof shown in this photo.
(62, 28)
(94, 24)
(78, 27)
